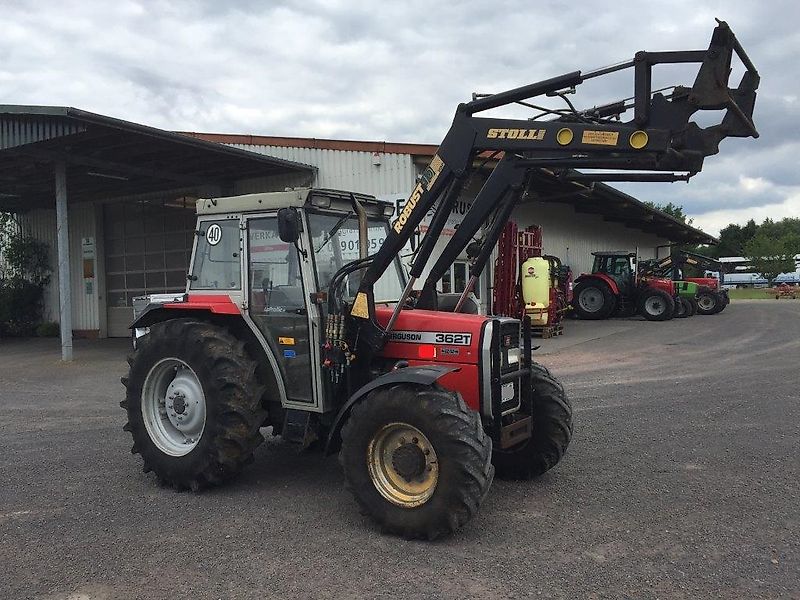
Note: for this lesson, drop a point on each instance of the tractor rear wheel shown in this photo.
(193, 403)
(416, 459)
(552, 431)
(656, 305)
(594, 300)
(708, 302)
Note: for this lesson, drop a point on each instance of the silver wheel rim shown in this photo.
(705, 302)
(173, 407)
(591, 300)
(654, 306)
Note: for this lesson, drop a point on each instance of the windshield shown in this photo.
(334, 243)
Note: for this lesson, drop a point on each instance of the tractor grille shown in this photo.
(510, 364)
(501, 363)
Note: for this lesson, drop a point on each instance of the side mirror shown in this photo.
(289, 225)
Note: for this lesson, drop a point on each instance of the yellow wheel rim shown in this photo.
(403, 465)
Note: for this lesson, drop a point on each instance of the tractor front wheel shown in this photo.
(708, 302)
(193, 403)
(594, 300)
(684, 308)
(416, 459)
(551, 414)
(656, 305)
(691, 305)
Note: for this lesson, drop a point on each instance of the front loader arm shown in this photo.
(498, 195)
(659, 143)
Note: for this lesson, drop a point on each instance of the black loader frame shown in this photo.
(659, 143)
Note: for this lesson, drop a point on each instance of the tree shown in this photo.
(673, 210)
(24, 273)
(733, 238)
(770, 256)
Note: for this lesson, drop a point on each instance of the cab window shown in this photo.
(216, 260)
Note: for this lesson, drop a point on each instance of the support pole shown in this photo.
(62, 235)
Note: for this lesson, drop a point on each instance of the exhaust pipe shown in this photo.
(363, 234)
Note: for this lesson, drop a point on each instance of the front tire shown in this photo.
(593, 300)
(708, 302)
(691, 304)
(656, 305)
(684, 308)
(193, 403)
(416, 459)
(551, 435)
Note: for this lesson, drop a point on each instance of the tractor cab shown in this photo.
(619, 266)
(270, 257)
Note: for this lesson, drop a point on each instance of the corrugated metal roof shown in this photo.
(22, 131)
(108, 158)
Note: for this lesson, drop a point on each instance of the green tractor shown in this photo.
(687, 294)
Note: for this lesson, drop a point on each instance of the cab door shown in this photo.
(621, 271)
(277, 304)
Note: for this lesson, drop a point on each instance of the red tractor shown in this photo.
(613, 288)
(289, 323)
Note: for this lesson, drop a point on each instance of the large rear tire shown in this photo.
(416, 459)
(193, 402)
(552, 431)
(593, 300)
(656, 305)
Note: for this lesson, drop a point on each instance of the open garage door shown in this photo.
(147, 250)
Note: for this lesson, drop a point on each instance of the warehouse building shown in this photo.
(126, 194)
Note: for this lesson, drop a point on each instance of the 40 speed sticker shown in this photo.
(431, 337)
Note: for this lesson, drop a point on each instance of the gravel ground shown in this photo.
(682, 481)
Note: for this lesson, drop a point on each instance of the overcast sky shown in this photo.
(395, 71)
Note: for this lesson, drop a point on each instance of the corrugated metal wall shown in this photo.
(41, 224)
(582, 234)
(350, 170)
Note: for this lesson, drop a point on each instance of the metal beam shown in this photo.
(62, 237)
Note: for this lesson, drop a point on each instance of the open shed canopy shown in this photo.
(613, 206)
(55, 156)
(107, 158)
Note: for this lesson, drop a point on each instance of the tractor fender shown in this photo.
(268, 367)
(424, 375)
(587, 277)
(215, 304)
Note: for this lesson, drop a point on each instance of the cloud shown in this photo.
(713, 221)
(392, 71)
